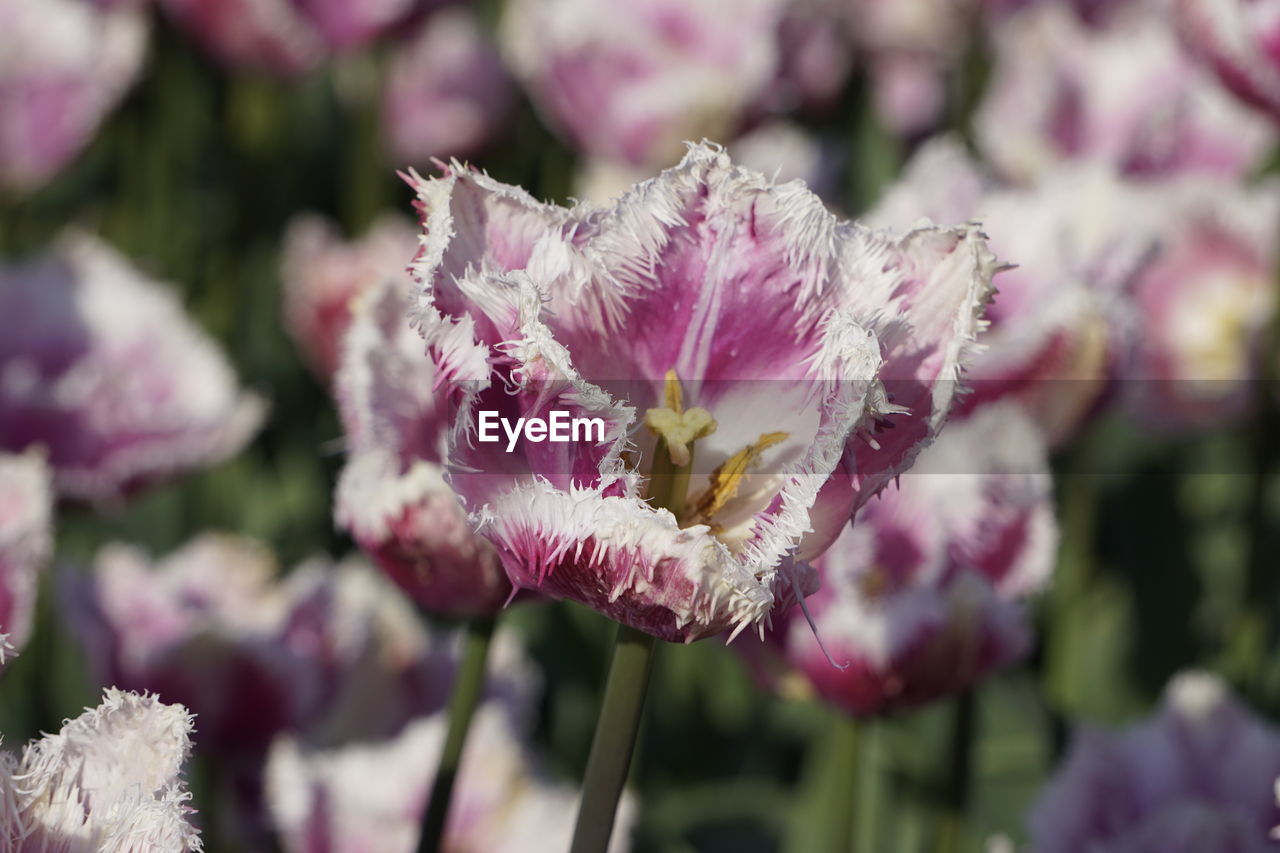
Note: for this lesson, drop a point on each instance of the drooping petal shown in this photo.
(26, 510)
(1198, 775)
(64, 65)
(322, 274)
(1127, 94)
(100, 365)
(109, 782)
(777, 318)
(392, 496)
(923, 595)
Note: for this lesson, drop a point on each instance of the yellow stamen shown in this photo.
(727, 479)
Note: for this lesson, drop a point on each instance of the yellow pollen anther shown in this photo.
(727, 479)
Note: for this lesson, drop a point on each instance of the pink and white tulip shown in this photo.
(1203, 304)
(110, 780)
(64, 65)
(1056, 332)
(393, 496)
(823, 350)
(447, 92)
(323, 275)
(1127, 94)
(212, 627)
(101, 367)
(285, 36)
(923, 595)
(26, 510)
(1240, 41)
(1197, 776)
(910, 48)
(629, 80)
(371, 796)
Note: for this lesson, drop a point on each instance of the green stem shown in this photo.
(844, 785)
(1065, 661)
(959, 774)
(1248, 643)
(462, 705)
(614, 740)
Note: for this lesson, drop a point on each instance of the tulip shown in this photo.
(1203, 305)
(1237, 39)
(392, 496)
(447, 92)
(803, 342)
(1127, 94)
(627, 81)
(64, 65)
(285, 37)
(924, 594)
(110, 780)
(26, 509)
(370, 796)
(1056, 333)
(100, 366)
(804, 329)
(322, 275)
(1196, 776)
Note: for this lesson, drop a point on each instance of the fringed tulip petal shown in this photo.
(109, 782)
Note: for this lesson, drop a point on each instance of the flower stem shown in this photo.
(462, 705)
(614, 740)
(959, 776)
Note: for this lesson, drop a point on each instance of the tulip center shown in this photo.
(677, 429)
